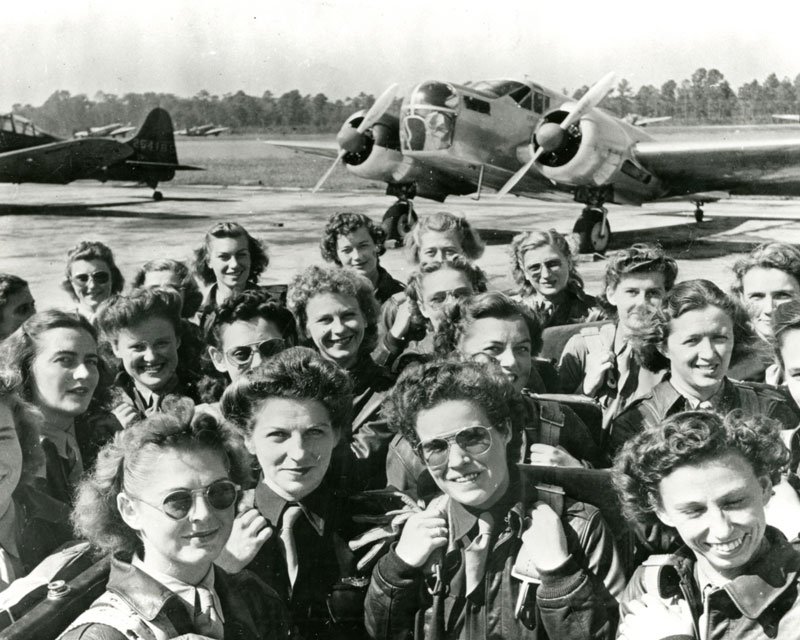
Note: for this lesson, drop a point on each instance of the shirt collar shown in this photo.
(62, 439)
(271, 505)
(694, 402)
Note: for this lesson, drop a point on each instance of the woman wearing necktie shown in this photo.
(293, 411)
(162, 500)
(451, 572)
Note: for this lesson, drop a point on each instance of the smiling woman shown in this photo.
(92, 276)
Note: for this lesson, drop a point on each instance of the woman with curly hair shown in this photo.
(162, 500)
(170, 273)
(431, 290)
(441, 236)
(229, 261)
(91, 276)
(697, 332)
(543, 265)
(293, 411)
(709, 478)
(337, 314)
(16, 303)
(52, 362)
(354, 241)
(457, 417)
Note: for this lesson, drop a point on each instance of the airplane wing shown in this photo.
(643, 122)
(764, 166)
(121, 131)
(61, 162)
(791, 117)
(325, 149)
(216, 132)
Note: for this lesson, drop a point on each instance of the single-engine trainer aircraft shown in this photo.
(519, 137)
(28, 154)
(202, 130)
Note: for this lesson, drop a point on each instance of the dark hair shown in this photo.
(524, 242)
(770, 255)
(128, 458)
(258, 255)
(492, 304)
(474, 274)
(640, 258)
(192, 297)
(442, 222)
(121, 312)
(9, 286)
(425, 386)
(27, 423)
(785, 318)
(316, 280)
(250, 305)
(92, 250)
(297, 373)
(651, 326)
(18, 351)
(692, 437)
(343, 224)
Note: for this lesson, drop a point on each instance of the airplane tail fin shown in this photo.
(154, 142)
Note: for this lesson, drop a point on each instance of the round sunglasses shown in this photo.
(219, 495)
(242, 355)
(474, 440)
(98, 277)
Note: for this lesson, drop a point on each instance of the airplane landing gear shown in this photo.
(698, 212)
(399, 220)
(594, 232)
(158, 196)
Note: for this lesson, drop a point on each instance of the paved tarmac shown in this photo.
(39, 223)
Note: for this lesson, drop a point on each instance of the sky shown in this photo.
(343, 47)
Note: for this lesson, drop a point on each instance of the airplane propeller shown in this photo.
(550, 136)
(351, 140)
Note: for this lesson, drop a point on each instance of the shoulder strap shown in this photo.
(112, 611)
(591, 336)
(551, 419)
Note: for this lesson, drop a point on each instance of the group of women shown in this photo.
(337, 458)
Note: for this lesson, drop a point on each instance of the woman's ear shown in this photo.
(661, 515)
(129, 511)
(506, 431)
(217, 359)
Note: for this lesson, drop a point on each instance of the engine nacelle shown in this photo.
(596, 153)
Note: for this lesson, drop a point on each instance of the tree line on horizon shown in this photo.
(705, 98)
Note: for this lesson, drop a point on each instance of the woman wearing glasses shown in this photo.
(92, 276)
(293, 411)
(337, 314)
(162, 500)
(457, 415)
(543, 266)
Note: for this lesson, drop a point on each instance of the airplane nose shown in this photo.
(350, 139)
(549, 136)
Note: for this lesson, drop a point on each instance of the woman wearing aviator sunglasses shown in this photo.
(457, 416)
(162, 500)
(92, 276)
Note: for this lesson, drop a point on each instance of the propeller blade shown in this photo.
(513, 180)
(379, 107)
(329, 171)
(590, 99)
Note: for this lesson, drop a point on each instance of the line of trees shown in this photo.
(705, 98)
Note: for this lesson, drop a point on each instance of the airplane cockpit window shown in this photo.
(14, 123)
(428, 117)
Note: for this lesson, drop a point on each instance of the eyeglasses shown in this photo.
(474, 440)
(552, 265)
(219, 495)
(98, 277)
(439, 298)
(242, 355)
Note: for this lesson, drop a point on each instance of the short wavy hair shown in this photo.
(474, 274)
(121, 312)
(650, 328)
(524, 242)
(19, 350)
(259, 260)
(343, 224)
(316, 280)
(128, 459)
(10, 285)
(491, 304)
(692, 437)
(471, 244)
(192, 296)
(770, 255)
(428, 385)
(92, 250)
(298, 373)
(639, 258)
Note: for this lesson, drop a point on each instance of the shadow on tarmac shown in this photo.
(102, 210)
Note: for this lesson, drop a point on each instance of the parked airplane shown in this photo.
(202, 130)
(791, 117)
(519, 137)
(117, 129)
(28, 154)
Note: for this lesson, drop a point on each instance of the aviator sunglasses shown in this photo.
(474, 440)
(219, 495)
(243, 354)
(98, 277)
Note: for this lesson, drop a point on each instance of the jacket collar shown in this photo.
(669, 401)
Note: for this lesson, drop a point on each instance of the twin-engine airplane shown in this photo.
(28, 154)
(115, 130)
(519, 137)
(202, 130)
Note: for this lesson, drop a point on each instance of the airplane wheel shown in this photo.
(158, 196)
(698, 214)
(397, 227)
(592, 236)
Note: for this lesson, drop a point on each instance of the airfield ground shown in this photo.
(39, 223)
